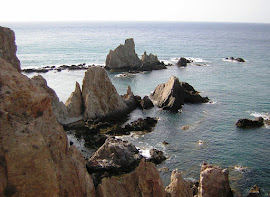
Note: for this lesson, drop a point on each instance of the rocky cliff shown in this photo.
(35, 158)
(8, 48)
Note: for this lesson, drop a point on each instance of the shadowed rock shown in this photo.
(247, 123)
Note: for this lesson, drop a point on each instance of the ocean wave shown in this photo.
(264, 115)
(240, 168)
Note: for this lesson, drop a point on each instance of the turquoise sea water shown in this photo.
(237, 90)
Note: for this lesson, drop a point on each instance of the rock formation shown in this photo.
(58, 106)
(183, 62)
(114, 156)
(238, 59)
(8, 48)
(146, 103)
(156, 156)
(173, 94)
(123, 57)
(130, 100)
(144, 181)
(247, 123)
(100, 97)
(75, 102)
(178, 186)
(214, 181)
(255, 191)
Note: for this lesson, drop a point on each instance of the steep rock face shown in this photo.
(170, 95)
(123, 57)
(214, 181)
(35, 158)
(151, 62)
(75, 102)
(100, 96)
(173, 94)
(59, 107)
(8, 48)
(144, 181)
(178, 186)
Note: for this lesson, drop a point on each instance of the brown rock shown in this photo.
(75, 102)
(146, 103)
(8, 47)
(255, 191)
(214, 181)
(35, 156)
(100, 96)
(144, 181)
(178, 186)
(59, 108)
(123, 57)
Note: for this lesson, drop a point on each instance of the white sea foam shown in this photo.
(145, 153)
(265, 116)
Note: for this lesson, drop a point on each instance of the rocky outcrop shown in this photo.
(151, 62)
(75, 106)
(178, 186)
(36, 159)
(156, 156)
(238, 59)
(58, 106)
(173, 94)
(130, 100)
(100, 97)
(123, 57)
(255, 191)
(8, 47)
(144, 181)
(214, 181)
(182, 62)
(247, 123)
(146, 103)
(114, 156)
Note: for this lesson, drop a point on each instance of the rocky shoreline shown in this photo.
(37, 160)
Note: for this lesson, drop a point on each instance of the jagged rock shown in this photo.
(247, 123)
(151, 62)
(146, 103)
(123, 57)
(254, 192)
(183, 62)
(8, 47)
(130, 100)
(156, 156)
(58, 106)
(173, 94)
(141, 124)
(75, 102)
(144, 181)
(178, 186)
(114, 156)
(35, 157)
(100, 96)
(214, 181)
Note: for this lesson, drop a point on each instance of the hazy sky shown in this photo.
(136, 10)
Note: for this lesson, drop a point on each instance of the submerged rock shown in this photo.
(214, 181)
(247, 123)
(100, 97)
(173, 94)
(239, 59)
(178, 186)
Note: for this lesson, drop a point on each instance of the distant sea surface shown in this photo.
(236, 90)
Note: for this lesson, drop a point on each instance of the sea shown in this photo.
(198, 132)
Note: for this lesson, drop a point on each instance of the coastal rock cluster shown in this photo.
(173, 94)
(37, 160)
(124, 58)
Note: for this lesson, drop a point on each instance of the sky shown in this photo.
(253, 11)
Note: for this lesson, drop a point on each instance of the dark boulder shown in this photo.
(247, 123)
(156, 156)
(254, 192)
(146, 103)
(238, 59)
(183, 62)
(141, 124)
